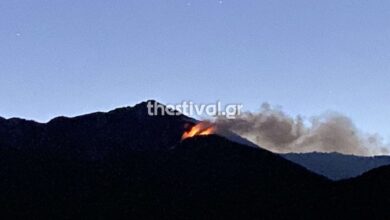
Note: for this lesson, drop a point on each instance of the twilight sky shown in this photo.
(73, 57)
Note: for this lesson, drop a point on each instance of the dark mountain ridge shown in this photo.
(127, 164)
(129, 127)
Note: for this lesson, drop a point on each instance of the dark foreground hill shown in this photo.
(364, 197)
(127, 165)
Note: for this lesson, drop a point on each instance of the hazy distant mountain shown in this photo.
(337, 166)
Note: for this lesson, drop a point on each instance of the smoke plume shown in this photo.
(276, 131)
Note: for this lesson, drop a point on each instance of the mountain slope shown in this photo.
(242, 181)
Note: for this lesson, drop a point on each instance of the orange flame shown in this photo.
(201, 129)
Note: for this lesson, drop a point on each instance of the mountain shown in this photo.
(337, 166)
(93, 134)
(363, 197)
(127, 164)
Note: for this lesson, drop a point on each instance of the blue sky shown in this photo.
(74, 57)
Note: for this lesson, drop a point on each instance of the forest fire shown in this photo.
(200, 129)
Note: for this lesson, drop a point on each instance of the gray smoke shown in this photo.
(276, 131)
